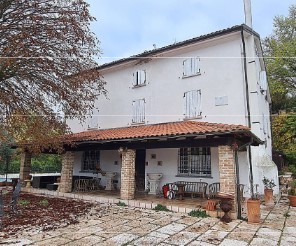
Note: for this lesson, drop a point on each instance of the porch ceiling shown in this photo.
(164, 135)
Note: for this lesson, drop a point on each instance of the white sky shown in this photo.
(128, 27)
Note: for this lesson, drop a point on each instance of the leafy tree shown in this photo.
(280, 47)
(47, 67)
(280, 51)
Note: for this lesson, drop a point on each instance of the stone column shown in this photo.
(127, 191)
(25, 167)
(67, 172)
(227, 172)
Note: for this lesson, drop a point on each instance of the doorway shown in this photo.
(140, 169)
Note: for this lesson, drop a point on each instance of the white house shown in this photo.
(196, 110)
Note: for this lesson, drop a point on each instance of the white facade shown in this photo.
(162, 89)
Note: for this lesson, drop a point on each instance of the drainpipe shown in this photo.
(248, 110)
(238, 200)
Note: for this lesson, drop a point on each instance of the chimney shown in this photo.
(248, 13)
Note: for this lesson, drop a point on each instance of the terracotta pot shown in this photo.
(3, 183)
(253, 208)
(268, 197)
(292, 201)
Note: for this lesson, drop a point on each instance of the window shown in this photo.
(192, 104)
(90, 159)
(93, 120)
(138, 111)
(195, 161)
(139, 78)
(191, 67)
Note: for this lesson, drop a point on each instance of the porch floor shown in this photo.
(141, 200)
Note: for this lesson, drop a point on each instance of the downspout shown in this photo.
(248, 110)
(238, 200)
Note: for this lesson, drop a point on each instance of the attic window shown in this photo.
(139, 78)
(191, 67)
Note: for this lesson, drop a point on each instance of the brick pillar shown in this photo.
(228, 172)
(127, 191)
(67, 172)
(25, 167)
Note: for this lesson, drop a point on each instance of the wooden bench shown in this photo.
(195, 188)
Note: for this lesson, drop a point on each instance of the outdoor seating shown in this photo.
(195, 188)
(214, 189)
(87, 184)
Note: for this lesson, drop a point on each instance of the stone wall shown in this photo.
(67, 172)
(127, 191)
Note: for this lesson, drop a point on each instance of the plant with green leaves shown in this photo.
(160, 207)
(121, 204)
(292, 190)
(198, 213)
(44, 202)
(24, 202)
(268, 183)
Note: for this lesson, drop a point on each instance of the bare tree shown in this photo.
(47, 65)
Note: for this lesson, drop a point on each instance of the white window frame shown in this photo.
(138, 107)
(195, 161)
(191, 67)
(139, 78)
(192, 104)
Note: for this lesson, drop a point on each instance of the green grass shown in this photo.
(24, 202)
(44, 202)
(198, 213)
(160, 207)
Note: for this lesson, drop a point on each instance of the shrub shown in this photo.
(198, 213)
(120, 203)
(160, 207)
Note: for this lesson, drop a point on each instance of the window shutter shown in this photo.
(142, 110)
(196, 65)
(135, 77)
(198, 107)
(142, 77)
(134, 112)
(187, 67)
(138, 111)
(263, 80)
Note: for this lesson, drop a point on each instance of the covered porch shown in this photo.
(166, 147)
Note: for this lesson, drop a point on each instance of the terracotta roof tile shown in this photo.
(157, 130)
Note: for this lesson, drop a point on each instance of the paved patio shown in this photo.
(108, 224)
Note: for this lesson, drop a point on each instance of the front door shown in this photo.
(140, 169)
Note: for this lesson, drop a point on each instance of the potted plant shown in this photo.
(268, 191)
(253, 207)
(292, 194)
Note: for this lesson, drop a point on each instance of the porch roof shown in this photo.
(162, 131)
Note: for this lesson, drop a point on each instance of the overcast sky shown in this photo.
(128, 27)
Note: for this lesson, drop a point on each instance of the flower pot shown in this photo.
(2, 183)
(253, 208)
(292, 201)
(268, 197)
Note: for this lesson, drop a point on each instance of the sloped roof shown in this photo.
(171, 129)
(150, 53)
